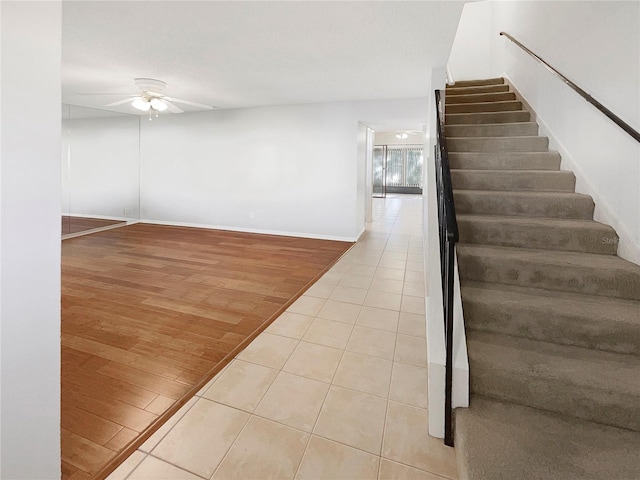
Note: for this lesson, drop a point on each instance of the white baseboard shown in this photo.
(251, 230)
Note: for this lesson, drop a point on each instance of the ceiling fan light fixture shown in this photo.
(141, 104)
(402, 135)
(158, 105)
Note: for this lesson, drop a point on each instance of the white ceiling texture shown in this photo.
(241, 54)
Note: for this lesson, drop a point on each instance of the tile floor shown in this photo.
(335, 388)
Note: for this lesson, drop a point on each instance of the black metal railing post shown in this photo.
(448, 232)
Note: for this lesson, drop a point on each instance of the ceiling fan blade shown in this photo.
(189, 102)
(106, 94)
(121, 102)
(171, 107)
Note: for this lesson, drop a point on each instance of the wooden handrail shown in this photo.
(612, 116)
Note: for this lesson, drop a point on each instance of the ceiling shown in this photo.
(242, 54)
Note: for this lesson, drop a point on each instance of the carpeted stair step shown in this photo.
(498, 144)
(481, 89)
(528, 204)
(602, 323)
(513, 180)
(585, 273)
(598, 386)
(480, 97)
(508, 105)
(519, 129)
(487, 117)
(548, 233)
(504, 160)
(502, 441)
(477, 83)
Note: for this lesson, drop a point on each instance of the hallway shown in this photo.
(335, 388)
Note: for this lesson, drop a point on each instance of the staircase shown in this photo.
(552, 314)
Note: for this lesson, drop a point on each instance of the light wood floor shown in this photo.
(150, 313)
(80, 224)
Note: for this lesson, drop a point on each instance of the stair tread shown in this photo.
(535, 221)
(524, 194)
(568, 259)
(517, 356)
(477, 82)
(505, 124)
(627, 311)
(506, 171)
(503, 441)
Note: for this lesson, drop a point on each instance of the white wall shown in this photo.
(102, 156)
(30, 240)
(389, 138)
(471, 50)
(596, 45)
(291, 170)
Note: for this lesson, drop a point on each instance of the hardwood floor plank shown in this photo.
(149, 312)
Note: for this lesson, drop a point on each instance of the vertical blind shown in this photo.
(404, 166)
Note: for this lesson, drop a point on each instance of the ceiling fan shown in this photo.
(153, 100)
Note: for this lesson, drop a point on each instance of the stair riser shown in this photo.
(588, 239)
(527, 272)
(480, 97)
(586, 402)
(482, 118)
(505, 161)
(506, 144)
(485, 204)
(484, 107)
(478, 83)
(531, 318)
(471, 90)
(502, 130)
(513, 181)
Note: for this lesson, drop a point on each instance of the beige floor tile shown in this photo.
(269, 350)
(156, 469)
(364, 373)
(386, 285)
(379, 318)
(242, 385)
(394, 256)
(348, 294)
(392, 263)
(416, 257)
(366, 270)
(292, 325)
(415, 267)
(352, 418)
(412, 324)
(314, 361)
(413, 289)
(306, 305)
(396, 471)
(411, 276)
(159, 434)
(340, 311)
(406, 441)
(390, 301)
(320, 290)
(413, 305)
(333, 276)
(355, 281)
(201, 438)
(370, 341)
(294, 401)
(371, 260)
(328, 333)
(128, 466)
(412, 350)
(328, 460)
(409, 385)
(264, 450)
(390, 273)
